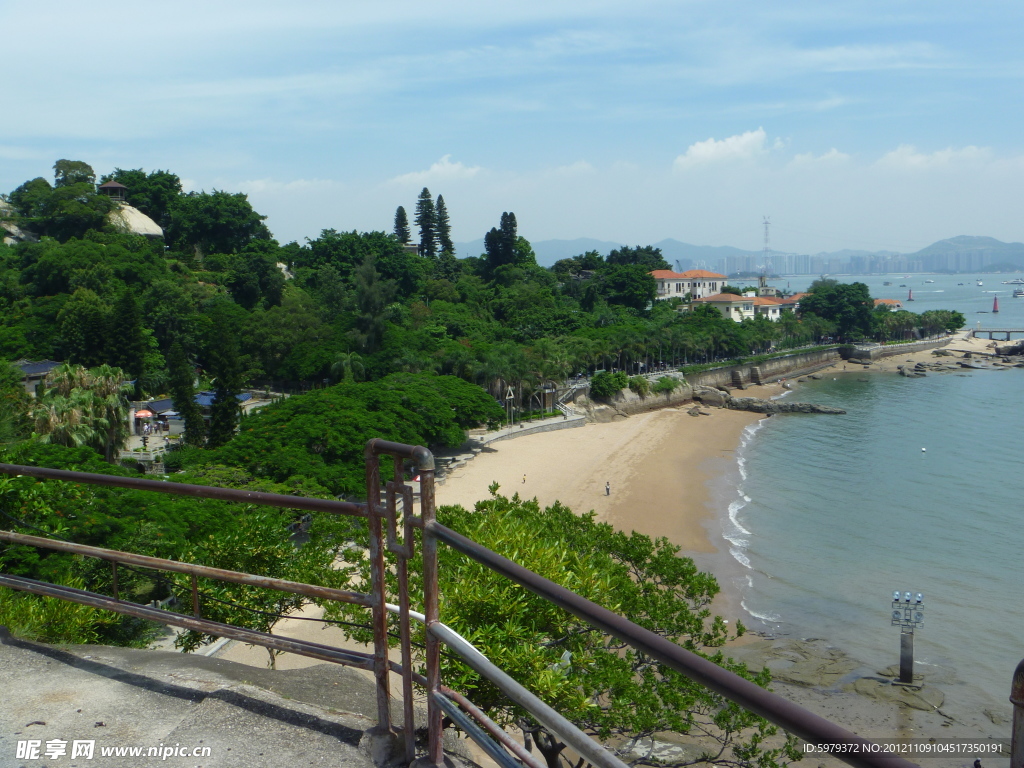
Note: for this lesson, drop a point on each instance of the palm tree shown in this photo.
(110, 391)
(346, 365)
(64, 420)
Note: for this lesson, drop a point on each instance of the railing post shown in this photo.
(431, 602)
(378, 589)
(1017, 699)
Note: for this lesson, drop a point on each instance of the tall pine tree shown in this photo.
(444, 227)
(126, 344)
(183, 395)
(222, 360)
(402, 226)
(426, 220)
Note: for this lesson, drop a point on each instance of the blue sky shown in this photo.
(863, 125)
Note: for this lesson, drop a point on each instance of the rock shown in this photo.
(942, 353)
(757, 405)
(710, 396)
(815, 376)
(695, 411)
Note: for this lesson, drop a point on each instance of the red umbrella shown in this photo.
(143, 414)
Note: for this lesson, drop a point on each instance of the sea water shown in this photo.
(826, 516)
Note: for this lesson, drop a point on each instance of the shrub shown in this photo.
(605, 384)
(666, 385)
(640, 385)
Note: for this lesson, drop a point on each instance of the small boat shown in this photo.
(959, 283)
(1018, 293)
(929, 281)
(903, 285)
(980, 283)
(887, 282)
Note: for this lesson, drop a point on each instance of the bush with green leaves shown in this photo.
(640, 385)
(666, 385)
(605, 384)
(608, 689)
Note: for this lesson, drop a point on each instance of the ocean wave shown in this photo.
(772, 617)
(740, 556)
(734, 509)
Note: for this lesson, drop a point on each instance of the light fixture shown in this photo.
(920, 598)
(896, 596)
(906, 597)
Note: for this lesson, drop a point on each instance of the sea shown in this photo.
(917, 488)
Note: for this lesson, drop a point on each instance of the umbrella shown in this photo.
(143, 414)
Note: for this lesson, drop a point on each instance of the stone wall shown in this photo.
(785, 366)
(878, 352)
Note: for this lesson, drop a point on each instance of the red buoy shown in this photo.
(910, 295)
(995, 304)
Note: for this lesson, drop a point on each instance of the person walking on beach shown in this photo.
(607, 489)
(524, 479)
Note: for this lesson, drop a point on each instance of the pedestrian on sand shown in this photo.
(607, 489)
(524, 479)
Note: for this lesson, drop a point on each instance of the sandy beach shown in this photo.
(656, 464)
(660, 467)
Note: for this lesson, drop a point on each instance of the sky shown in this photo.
(864, 125)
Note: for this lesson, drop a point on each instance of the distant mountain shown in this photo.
(968, 253)
(965, 253)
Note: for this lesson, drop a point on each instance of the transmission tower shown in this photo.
(762, 282)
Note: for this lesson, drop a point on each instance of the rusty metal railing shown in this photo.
(392, 521)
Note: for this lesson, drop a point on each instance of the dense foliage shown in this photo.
(604, 686)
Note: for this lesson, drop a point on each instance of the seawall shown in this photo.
(877, 352)
(784, 366)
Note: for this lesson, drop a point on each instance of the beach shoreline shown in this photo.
(671, 474)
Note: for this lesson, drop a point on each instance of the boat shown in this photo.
(903, 285)
(1018, 293)
(929, 281)
(887, 282)
(980, 283)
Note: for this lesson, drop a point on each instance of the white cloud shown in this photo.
(443, 170)
(906, 157)
(743, 146)
(809, 158)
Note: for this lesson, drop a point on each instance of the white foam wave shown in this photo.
(734, 510)
(773, 617)
(740, 464)
(740, 557)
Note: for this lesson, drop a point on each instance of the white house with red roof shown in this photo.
(696, 282)
(739, 308)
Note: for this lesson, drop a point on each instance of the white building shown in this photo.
(696, 282)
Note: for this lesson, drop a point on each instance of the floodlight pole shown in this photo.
(907, 614)
(907, 656)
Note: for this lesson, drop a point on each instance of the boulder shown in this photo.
(757, 405)
(710, 396)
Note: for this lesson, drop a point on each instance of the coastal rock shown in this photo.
(710, 396)
(925, 698)
(758, 405)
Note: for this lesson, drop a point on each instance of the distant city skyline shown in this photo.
(854, 125)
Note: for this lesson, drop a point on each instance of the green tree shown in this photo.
(126, 340)
(444, 227)
(646, 256)
(15, 402)
(216, 222)
(83, 324)
(110, 390)
(221, 354)
(608, 689)
(372, 297)
(67, 173)
(347, 365)
(402, 226)
(630, 285)
(426, 220)
(183, 395)
(848, 305)
(500, 243)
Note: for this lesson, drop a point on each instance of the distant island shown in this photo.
(965, 253)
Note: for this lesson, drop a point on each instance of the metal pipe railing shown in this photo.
(184, 489)
(176, 566)
(784, 713)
